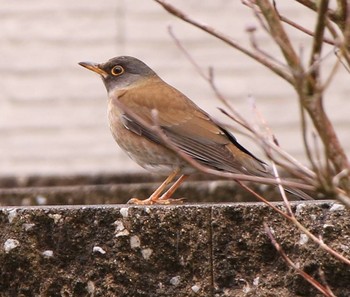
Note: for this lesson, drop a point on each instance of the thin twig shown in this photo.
(205, 169)
(324, 290)
(304, 130)
(339, 54)
(331, 75)
(282, 192)
(313, 6)
(293, 24)
(280, 36)
(228, 40)
(209, 78)
(303, 229)
(325, 284)
(237, 117)
(306, 31)
(262, 199)
(268, 146)
(254, 45)
(317, 63)
(297, 72)
(316, 150)
(187, 54)
(343, 198)
(316, 111)
(309, 4)
(243, 177)
(239, 178)
(272, 140)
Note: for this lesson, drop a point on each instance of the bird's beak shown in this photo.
(93, 67)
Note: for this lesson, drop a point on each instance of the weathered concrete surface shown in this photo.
(188, 250)
(106, 251)
(243, 255)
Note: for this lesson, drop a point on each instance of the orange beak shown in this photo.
(93, 67)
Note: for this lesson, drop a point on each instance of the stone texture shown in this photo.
(245, 263)
(188, 250)
(106, 251)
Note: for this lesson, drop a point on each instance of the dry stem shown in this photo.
(306, 82)
(323, 289)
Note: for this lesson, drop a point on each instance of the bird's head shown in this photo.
(120, 72)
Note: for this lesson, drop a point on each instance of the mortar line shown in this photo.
(211, 251)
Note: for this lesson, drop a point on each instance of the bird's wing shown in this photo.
(188, 128)
(213, 146)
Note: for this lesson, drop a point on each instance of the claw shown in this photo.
(149, 201)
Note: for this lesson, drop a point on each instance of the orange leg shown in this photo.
(154, 198)
(167, 195)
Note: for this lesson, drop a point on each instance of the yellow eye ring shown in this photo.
(117, 70)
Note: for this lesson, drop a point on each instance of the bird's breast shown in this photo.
(148, 154)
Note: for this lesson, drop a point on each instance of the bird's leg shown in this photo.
(166, 197)
(153, 199)
(155, 196)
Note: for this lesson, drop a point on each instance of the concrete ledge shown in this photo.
(188, 250)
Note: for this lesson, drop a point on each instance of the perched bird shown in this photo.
(135, 91)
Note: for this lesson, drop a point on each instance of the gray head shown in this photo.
(120, 72)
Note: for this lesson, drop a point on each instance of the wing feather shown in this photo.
(188, 127)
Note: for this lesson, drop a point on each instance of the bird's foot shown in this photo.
(150, 201)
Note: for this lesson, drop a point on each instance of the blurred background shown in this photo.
(53, 112)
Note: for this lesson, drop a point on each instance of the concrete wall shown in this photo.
(176, 251)
(53, 113)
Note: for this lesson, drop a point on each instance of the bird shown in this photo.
(139, 100)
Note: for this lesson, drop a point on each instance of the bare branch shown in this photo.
(306, 31)
(241, 121)
(268, 146)
(283, 193)
(313, 6)
(284, 19)
(318, 41)
(307, 85)
(228, 40)
(243, 177)
(331, 75)
(239, 178)
(308, 3)
(294, 221)
(209, 78)
(279, 35)
(342, 12)
(323, 278)
(304, 130)
(323, 289)
(344, 8)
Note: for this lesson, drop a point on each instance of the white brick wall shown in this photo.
(53, 112)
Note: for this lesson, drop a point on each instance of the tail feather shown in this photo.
(298, 193)
(256, 167)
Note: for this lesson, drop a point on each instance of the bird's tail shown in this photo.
(257, 167)
(298, 193)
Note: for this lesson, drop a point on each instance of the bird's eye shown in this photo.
(117, 70)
